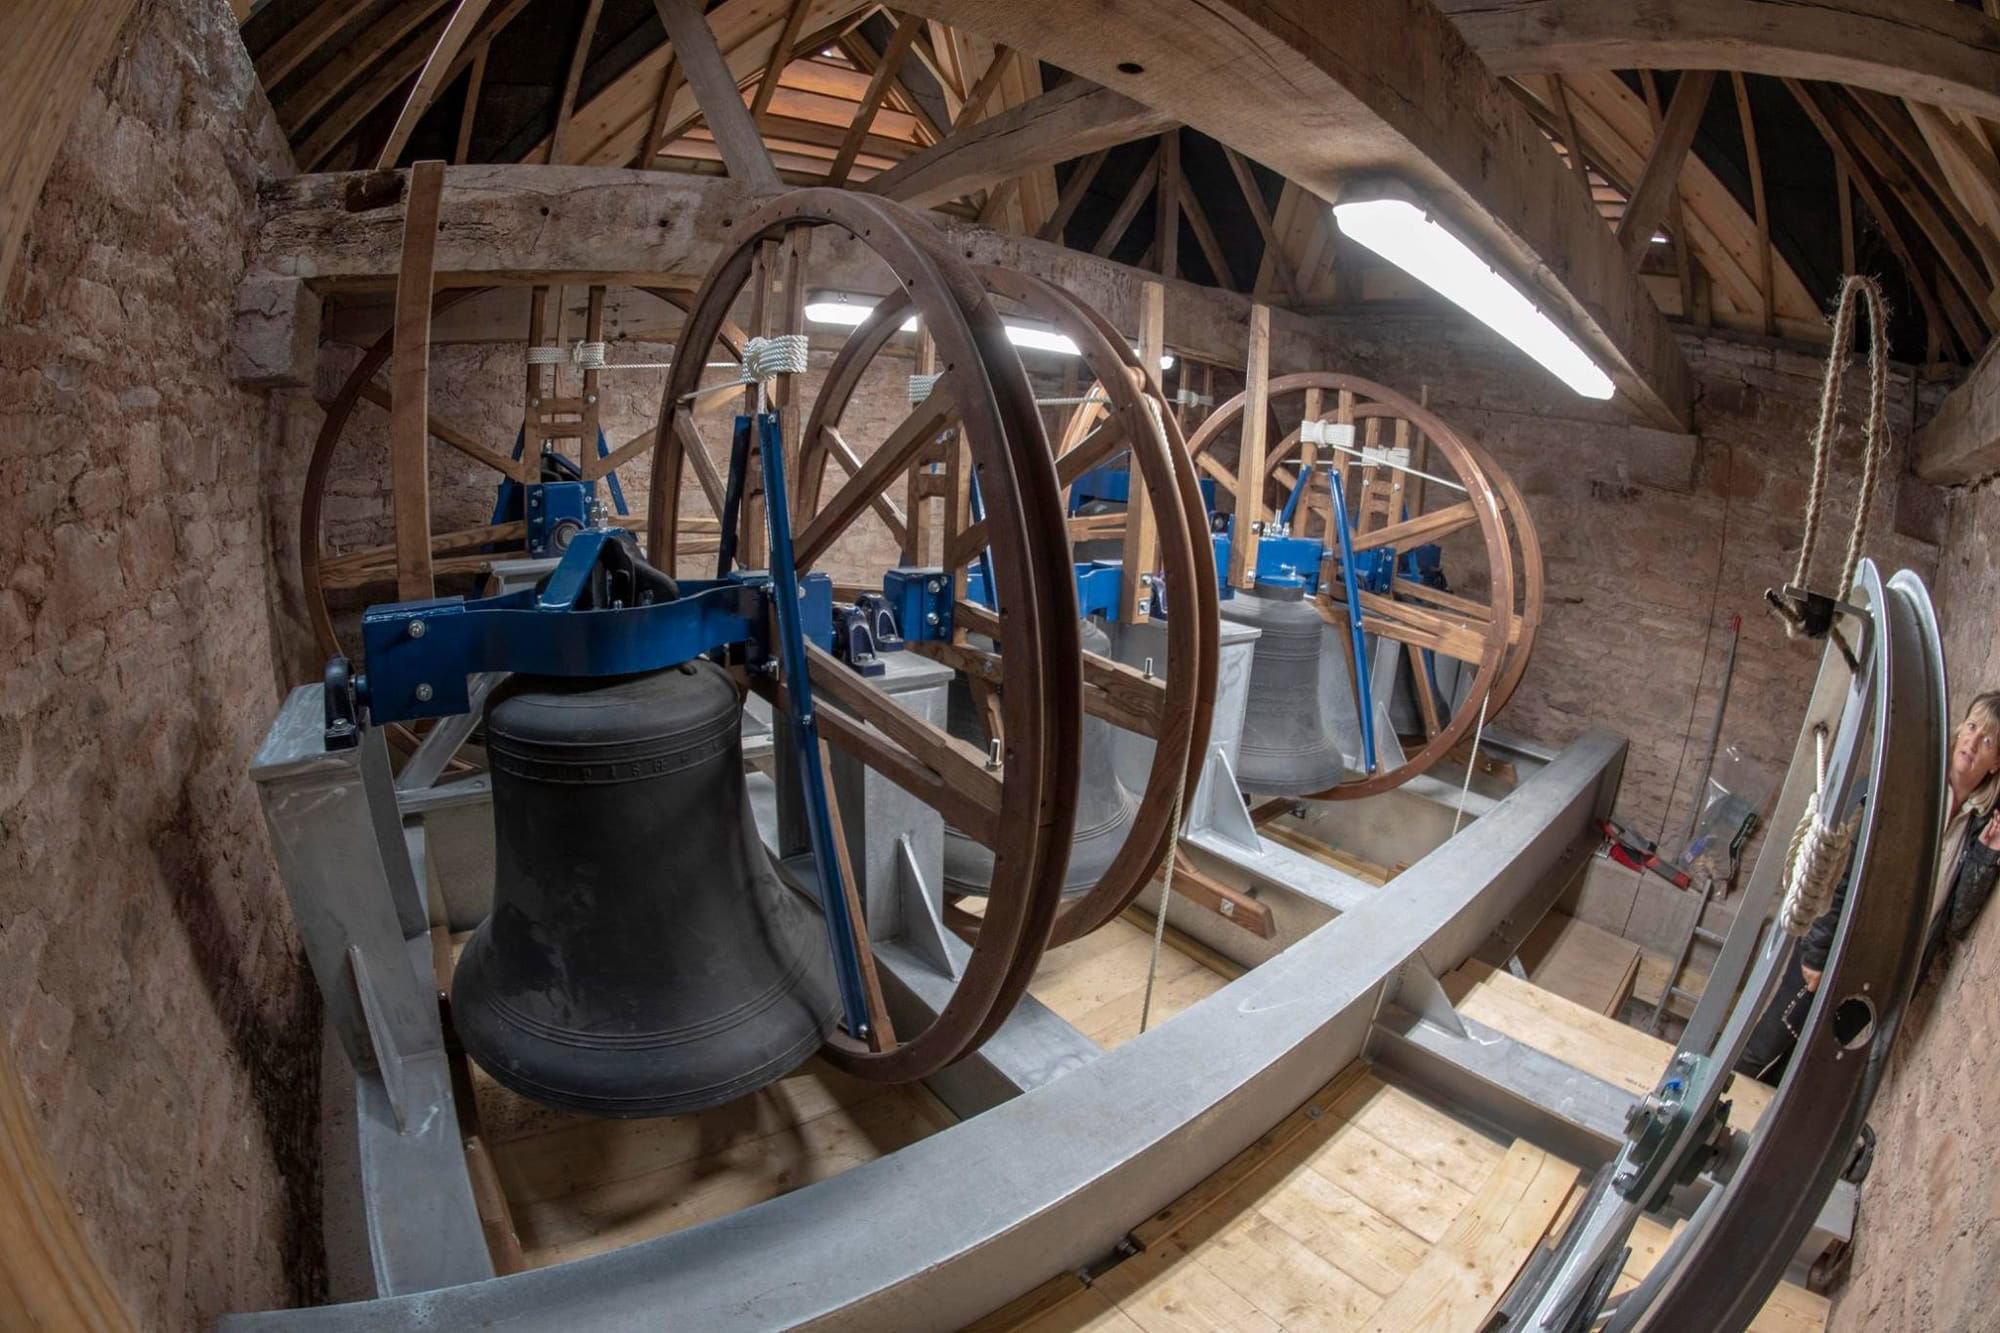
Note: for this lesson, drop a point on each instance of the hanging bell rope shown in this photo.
(1875, 447)
(1166, 898)
(1818, 853)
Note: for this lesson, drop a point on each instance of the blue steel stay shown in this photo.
(1363, 692)
(840, 926)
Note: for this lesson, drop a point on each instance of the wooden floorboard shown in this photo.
(1098, 983)
(1366, 1209)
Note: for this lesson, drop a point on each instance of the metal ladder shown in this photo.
(1696, 931)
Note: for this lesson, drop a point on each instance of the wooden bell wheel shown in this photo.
(1025, 808)
(1390, 507)
(1173, 712)
(463, 555)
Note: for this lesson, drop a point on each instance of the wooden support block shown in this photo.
(1233, 905)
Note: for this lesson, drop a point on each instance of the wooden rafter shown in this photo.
(475, 82)
(1766, 287)
(1658, 186)
(302, 41)
(715, 91)
(1204, 235)
(437, 71)
(1901, 132)
(781, 57)
(1676, 224)
(567, 102)
(1073, 191)
(1274, 250)
(1864, 182)
(390, 30)
(871, 101)
(1128, 208)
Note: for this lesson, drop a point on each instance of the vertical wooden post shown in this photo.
(1250, 456)
(410, 384)
(1167, 212)
(750, 527)
(593, 331)
(794, 255)
(1142, 532)
(917, 544)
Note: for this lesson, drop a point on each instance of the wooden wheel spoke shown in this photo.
(594, 467)
(1420, 628)
(1124, 696)
(923, 759)
(695, 450)
(445, 432)
(1437, 524)
(873, 477)
(850, 462)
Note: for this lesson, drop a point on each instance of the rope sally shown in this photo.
(1817, 855)
(1806, 614)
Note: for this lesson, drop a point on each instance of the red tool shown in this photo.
(1630, 849)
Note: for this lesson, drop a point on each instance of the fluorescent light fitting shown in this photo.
(846, 311)
(1387, 218)
(1659, 238)
(1041, 340)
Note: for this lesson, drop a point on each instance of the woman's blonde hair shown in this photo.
(1985, 708)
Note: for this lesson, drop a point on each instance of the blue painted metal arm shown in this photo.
(419, 654)
(840, 926)
(1363, 692)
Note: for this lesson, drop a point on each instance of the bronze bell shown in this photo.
(641, 957)
(1105, 807)
(1289, 748)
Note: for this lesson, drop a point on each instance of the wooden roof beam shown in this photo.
(1072, 120)
(715, 92)
(1962, 442)
(1658, 184)
(1324, 91)
(1946, 54)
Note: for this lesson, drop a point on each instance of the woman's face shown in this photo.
(1975, 752)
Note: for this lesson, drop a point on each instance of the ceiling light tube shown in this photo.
(849, 310)
(1389, 219)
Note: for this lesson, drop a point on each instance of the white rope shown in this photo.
(1816, 856)
(547, 356)
(1478, 735)
(763, 359)
(1875, 446)
(1166, 897)
(590, 356)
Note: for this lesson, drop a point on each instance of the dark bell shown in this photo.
(1288, 747)
(1105, 807)
(641, 958)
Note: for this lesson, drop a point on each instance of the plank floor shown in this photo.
(1369, 1208)
(1098, 983)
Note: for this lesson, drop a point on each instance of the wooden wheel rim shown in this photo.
(1189, 687)
(1492, 528)
(1033, 583)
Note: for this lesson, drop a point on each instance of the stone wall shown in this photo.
(1927, 1252)
(151, 985)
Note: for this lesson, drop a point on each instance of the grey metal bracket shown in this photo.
(923, 929)
(1219, 807)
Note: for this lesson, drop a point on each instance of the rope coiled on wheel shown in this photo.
(1817, 854)
(764, 359)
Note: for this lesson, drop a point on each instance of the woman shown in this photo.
(1968, 859)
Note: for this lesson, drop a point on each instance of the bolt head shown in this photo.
(423, 694)
(935, 585)
(418, 629)
(931, 618)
